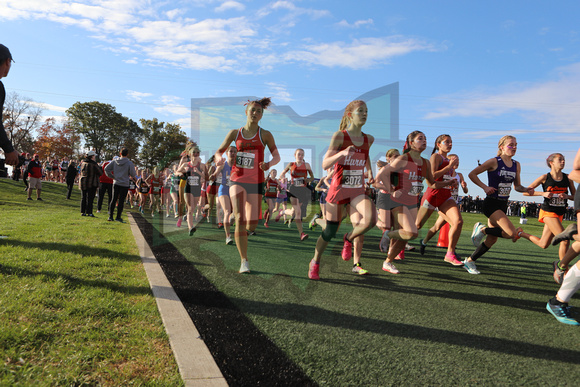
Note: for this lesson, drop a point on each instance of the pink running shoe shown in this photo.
(266, 225)
(303, 236)
(346, 249)
(278, 216)
(313, 270)
(400, 256)
(453, 259)
(179, 222)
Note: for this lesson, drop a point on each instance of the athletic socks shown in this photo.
(479, 251)
(493, 231)
(570, 285)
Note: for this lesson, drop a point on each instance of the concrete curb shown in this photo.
(196, 364)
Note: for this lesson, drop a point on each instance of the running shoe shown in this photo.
(290, 222)
(266, 225)
(408, 247)
(220, 225)
(245, 267)
(558, 273)
(229, 240)
(28, 198)
(110, 220)
(153, 215)
(313, 270)
(357, 268)
(167, 215)
(313, 223)
(192, 231)
(518, 235)
(388, 266)
(178, 222)
(384, 243)
(400, 256)
(562, 313)
(470, 267)
(566, 235)
(251, 233)
(119, 220)
(39, 199)
(346, 249)
(453, 259)
(303, 236)
(278, 216)
(422, 248)
(477, 235)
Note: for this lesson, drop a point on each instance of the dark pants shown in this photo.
(119, 195)
(87, 199)
(70, 184)
(108, 188)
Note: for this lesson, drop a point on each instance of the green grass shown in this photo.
(434, 324)
(75, 303)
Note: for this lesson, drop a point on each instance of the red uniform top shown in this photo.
(411, 182)
(271, 188)
(299, 173)
(442, 194)
(104, 178)
(155, 185)
(348, 180)
(250, 155)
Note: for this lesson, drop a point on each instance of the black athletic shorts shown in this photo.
(491, 205)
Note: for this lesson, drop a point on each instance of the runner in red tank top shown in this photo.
(154, 183)
(300, 195)
(271, 193)
(442, 169)
(413, 169)
(348, 151)
(247, 175)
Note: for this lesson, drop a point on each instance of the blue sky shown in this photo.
(475, 70)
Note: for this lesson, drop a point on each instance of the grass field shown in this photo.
(75, 304)
(434, 324)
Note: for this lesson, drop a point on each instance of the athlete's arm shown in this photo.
(536, 183)
(230, 137)
(271, 144)
(489, 165)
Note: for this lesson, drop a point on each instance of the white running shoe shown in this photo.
(245, 267)
(388, 266)
(477, 235)
(229, 240)
(384, 243)
(470, 267)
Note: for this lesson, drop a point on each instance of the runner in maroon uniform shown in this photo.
(412, 169)
(155, 183)
(349, 153)
(300, 195)
(247, 177)
(271, 194)
(441, 199)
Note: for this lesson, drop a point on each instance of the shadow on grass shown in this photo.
(73, 281)
(82, 250)
(314, 315)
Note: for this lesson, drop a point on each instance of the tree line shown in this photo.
(90, 126)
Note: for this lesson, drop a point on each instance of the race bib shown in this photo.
(447, 178)
(352, 178)
(416, 188)
(504, 189)
(557, 202)
(156, 189)
(193, 180)
(298, 182)
(272, 189)
(245, 160)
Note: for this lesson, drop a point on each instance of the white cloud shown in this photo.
(360, 53)
(230, 6)
(49, 107)
(279, 92)
(170, 106)
(356, 24)
(549, 105)
(136, 95)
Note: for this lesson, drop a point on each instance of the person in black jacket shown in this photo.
(10, 153)
(89, 182)
(71, 175)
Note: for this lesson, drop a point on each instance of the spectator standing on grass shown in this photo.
(105, 186)
(34, 170)
(89, 182)
(122, 171)
(71, 175)
(10, 154)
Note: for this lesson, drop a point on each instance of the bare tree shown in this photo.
(21, 116)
